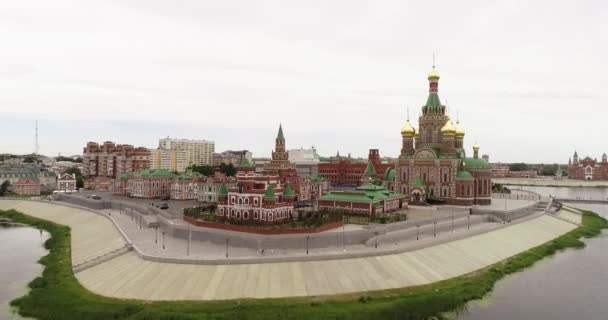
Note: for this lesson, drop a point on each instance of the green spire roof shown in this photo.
(280, 134)
(433, 100)
(269, 193)
(370, 168)
(288, 192)
(223, 191)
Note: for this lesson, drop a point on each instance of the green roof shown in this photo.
(390, 174)
(462, 174)
(370, 168)
(223, 191)
(433, 100)
(316, 179)
(418, 183)
(280, 134)
(367, 193)
(157, 173)
(269, 192)
(288, 192)
(476, 163)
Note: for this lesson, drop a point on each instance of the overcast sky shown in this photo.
(526, 77)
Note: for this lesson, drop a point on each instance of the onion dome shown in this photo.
(459, 130)
(448, 129)
(408, 130)
(475, 146)
(434, 74)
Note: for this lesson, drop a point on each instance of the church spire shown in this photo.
(280, 134)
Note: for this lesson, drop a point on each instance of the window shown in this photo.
(255, 214)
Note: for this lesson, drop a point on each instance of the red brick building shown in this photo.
(107, 161)
(147, 183)
(257, 198)
(587, 168)
(433, 163)
(28, 187)
(367, 199)
(345, 171)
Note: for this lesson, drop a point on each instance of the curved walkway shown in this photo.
(128, 276)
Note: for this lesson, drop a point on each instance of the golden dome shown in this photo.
(448, 129)
(475, 146)
(407, 129)
(434, 74)
(459, 130)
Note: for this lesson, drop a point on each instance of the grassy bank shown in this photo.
(58, 295)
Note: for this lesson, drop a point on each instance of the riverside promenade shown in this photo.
(127, 275)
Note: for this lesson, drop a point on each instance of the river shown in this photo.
(570, 285)
(20, 249)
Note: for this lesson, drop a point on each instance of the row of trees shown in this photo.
(547, 170)
(4, 187)
(227, 169)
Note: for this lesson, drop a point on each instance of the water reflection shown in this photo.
(20, 249)
(570, 285)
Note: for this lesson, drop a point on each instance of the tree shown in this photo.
(30, 159)
(549, 170)
(4, 187)
(518, 167)
(204, 170)
(79, 179)
(228, 169)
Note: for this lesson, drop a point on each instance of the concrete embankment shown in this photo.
(549, 182)
(128, 276)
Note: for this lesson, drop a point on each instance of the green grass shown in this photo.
(58, 295)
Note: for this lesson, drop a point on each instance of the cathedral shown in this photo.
(433, 165)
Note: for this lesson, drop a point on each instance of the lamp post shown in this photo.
(343, 231)
(155, 234)
(452, 209)
(376, 239)
(227, 242)
(307, 239)
(468, 222)
(417, 232)
(188, 242)
(163, 232)
(434, 229)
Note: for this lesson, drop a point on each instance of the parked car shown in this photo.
(96, 197)
(164, 206)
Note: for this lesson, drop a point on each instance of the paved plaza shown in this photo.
(129, 276)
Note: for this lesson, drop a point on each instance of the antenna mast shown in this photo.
(37, 146)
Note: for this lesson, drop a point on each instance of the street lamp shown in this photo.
(417, 232)
(434, 229)
(163, 232)
(307, 239)
(376, 239)
(155, 234)
(188, 242)
(227, 242)
(343, 231)
(452, 209)
(468, 222)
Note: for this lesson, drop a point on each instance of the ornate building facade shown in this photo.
(433, 163)
(348, 172)
(587, 168)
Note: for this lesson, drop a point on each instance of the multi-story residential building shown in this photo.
(349, 172)
(232, 157)
(28, 187)
(103, 162)
(433, 162)
(66, 182)
(198, 152)
(174, 160)
(587, 168)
